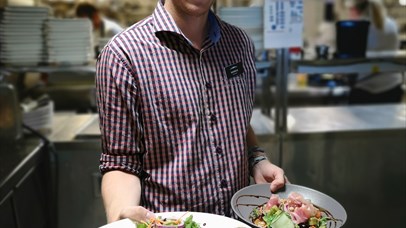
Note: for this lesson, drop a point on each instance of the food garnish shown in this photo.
(160, 222)
(292, 212)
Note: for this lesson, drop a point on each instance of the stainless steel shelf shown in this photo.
(47, 69)
(311, 120)
(373, 63)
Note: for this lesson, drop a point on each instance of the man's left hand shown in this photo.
(266, 172)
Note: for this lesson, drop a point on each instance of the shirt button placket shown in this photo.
(213, 118)
(209, 86)
(219, 151)
(223, 184)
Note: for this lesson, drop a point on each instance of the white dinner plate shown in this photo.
(26, 9)
(205, 220)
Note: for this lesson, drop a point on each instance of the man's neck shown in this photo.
(193, 27)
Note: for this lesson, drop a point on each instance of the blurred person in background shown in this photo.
(382, 36)
(326, 32)
(103, 28)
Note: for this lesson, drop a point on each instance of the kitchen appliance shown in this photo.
(351, 38)
(246, 199)
(10, 113)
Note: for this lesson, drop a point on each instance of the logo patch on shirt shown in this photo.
(234, 70)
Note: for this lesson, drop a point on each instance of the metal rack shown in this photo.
(70, 86)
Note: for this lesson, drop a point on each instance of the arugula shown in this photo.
(141, 225)
(189, 223)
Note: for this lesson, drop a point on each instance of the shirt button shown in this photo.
(223, 184)
(213, 118)
(219, 150)
(208, 85)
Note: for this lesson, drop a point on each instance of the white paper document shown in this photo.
(283, 23)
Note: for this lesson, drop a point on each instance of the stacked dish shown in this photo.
(68, 41)
(250, 19)
(38, 114)
(21, 35)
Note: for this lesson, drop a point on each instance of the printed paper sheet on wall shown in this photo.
(283, 23)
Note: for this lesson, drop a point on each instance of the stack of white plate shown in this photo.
(21, 35)
(250, 19)
(38, 113)
(41, 118)
(68, 41)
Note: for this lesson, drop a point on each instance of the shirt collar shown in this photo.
(214, 28)
(165, 23)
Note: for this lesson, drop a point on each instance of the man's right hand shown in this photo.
(121, 196)
(136, 213)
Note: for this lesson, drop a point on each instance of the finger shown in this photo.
(137, 213)
(278, 182)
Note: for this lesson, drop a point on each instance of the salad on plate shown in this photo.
(160, 222)
(292, 212)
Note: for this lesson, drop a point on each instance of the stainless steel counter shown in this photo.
(373, 63)
(50, 69)
(356, 154)
(67, 125)
(79, 178)
(336, 119)
(353, 118)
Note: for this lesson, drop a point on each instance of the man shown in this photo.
(383, 35)
(175, 97)
(103, 28)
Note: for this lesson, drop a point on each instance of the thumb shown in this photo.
(278, 182)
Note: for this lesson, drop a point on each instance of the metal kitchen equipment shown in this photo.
(351, 38)
(10, 113)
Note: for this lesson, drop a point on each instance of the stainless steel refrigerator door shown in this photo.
(79, 200)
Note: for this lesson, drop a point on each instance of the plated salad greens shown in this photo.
(160, 222)
(292, 212)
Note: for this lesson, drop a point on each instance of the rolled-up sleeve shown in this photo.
(118, 104)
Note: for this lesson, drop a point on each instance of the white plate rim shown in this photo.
(211, 220)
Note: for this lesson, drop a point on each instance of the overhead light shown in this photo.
(402, 2)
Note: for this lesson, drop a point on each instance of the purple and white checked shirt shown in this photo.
(174, 113)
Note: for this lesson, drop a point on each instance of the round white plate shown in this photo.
(205, 220)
